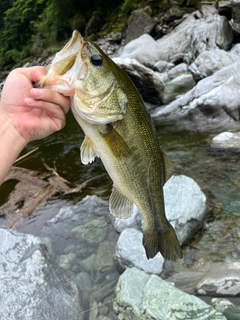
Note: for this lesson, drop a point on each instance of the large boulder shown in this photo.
(191, 37)
(148, 297)
(31, 286)
(214, 101)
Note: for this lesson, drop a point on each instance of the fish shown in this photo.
(119, 130)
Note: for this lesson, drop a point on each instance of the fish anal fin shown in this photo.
(119, 205)
(116, 142)
(169, 167)
(87, 152)
(164, 242)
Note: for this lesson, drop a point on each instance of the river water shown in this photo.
(216, 172)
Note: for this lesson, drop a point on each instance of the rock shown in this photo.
(93, 231)
(147, 82)
(208, 62)
(177, 81)
(93, 25)
(131, 253)
(162, 66)
(235, 22)
(222, 279)
(213, 102)
(227, 140)
(148, 297)
(139, 23)
(230, 310)
(195, 34)
(187, 211)
(32, 287)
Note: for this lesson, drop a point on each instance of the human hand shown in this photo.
(34, 112)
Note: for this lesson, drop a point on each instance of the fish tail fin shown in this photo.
(165, 242)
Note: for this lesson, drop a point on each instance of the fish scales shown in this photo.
(119, 130)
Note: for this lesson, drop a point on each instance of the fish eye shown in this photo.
(97, 60)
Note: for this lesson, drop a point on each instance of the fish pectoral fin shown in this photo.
(169, 168)
(119, 205)
(87, 152)
(165, 242)
(115, 142)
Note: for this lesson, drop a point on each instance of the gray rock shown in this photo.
(230, 310)
(213, 102)
(31, 286)
(185, 206)
(147, 82)
(148, 297)
(227, 140)
(162, 66)
(222, 279)
(131, 253)
(194, 35)
(208, 62)
(177, 81)
(139, 23)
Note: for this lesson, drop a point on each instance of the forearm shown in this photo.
(11, 144)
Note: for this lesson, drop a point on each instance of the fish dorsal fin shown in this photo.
(119, 205)
(169, 167)
(87, 152)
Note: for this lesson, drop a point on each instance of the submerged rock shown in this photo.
(148, 297)
(32, 287)
(230, 310)
(222, 279)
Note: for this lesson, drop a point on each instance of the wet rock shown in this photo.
(104, 256)
(131, 253)
(32, 287)
(93, 231)
(162, 66)
(212, 102)
(143, 296)
(222, 279)
(139, 23)
(230, 310)
(147, 82)
(227, 140)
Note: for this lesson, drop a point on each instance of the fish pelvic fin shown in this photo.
(165, 242)
(87, 152)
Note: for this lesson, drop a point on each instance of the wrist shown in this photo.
(11, 144)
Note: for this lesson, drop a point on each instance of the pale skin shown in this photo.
(27, 114)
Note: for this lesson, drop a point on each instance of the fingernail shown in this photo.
(38, 93)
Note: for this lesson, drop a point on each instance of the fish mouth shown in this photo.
(66, 67)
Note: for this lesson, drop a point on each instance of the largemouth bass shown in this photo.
(119, 130)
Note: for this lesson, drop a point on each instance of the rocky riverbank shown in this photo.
(196, 58)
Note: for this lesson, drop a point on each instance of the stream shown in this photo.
(216, 172)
